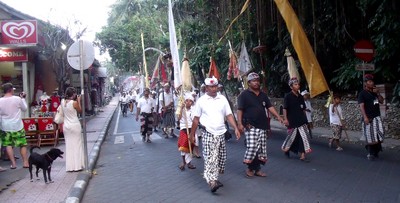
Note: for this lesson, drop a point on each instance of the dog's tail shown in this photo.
(33, 147)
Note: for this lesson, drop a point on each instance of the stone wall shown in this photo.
(352, 116)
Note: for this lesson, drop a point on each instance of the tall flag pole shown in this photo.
(174, 47)
(245, 6)
(309, 63)
(146, 74)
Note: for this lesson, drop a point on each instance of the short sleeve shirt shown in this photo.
(212, 112)
(371, 104)
(295, 107)
(145, 105)
(254, 109)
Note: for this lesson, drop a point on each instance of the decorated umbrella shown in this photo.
(213, 69)
(233, 66)
(292, 69)
(186, 87)
(155, 76)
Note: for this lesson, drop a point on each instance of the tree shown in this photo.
(57, 38)
(332, 27)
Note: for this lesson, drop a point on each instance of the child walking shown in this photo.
(309, 110)
(186, 119)
(336, 121)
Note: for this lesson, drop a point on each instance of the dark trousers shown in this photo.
(255, 165)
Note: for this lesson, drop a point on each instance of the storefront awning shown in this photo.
(102, 72)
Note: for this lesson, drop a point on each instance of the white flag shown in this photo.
(174, 47)
(244, 60)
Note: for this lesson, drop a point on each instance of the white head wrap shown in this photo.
(189, 96)
(304, 92)
(211, 81)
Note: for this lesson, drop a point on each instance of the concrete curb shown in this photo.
(78, 189)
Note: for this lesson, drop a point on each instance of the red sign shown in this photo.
(364, 50)
(13, 55)
(19, 32)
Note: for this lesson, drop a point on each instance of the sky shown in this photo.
(92, 14)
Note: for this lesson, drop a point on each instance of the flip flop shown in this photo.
(13, 167)
(260, 174)
(249, 174)
(190, 166)
(2, 169)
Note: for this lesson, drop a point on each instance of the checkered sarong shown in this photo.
(256, 141)
(168, 120)
(292, 132)
(146, 123)
(373, 132)
(214, 153)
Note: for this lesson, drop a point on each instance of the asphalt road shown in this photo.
(129, 170)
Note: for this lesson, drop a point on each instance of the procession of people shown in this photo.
(204, 117)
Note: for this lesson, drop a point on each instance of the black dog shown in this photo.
(43, 161)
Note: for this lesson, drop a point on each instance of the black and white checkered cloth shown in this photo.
(256, 141)
(214, 153)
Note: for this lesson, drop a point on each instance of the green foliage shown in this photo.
(333, 31)
(122, 37)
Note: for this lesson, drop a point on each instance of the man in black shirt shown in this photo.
(369, 100)
(296, 121)
(253, 120)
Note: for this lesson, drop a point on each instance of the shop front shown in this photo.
(17, 53)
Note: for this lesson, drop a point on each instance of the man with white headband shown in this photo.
(211, 110)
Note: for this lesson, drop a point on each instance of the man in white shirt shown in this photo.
(124, 99)
(166, 100)
(211, 110)
(11, 123)
(155, 113)
(144, 109)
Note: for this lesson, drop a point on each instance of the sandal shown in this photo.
(190, 166)
(260, 174)
(13, 167)
(305, 160)
(214, 186)
(249, 173)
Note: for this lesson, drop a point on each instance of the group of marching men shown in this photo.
(209, 110)
(156, 110)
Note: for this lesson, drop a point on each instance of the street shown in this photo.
(129, 170)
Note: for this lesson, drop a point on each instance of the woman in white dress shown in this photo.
(74, 154)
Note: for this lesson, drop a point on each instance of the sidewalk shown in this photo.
(354, 136)
(15, 185)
